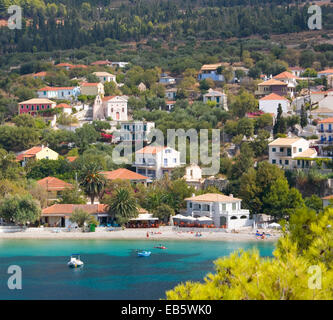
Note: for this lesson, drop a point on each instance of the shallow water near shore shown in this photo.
(112, 268)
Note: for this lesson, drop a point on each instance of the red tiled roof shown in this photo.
(327, 120)
(107, 98)
(272, 82)
(55, 88)
(285, 75)
(68, 209)
(123, 174)
(71, 159)
(52, 183)
(64, 105)
(273, 96)
(40, 74)
(326, 71)
(30, 153)
(151, 149)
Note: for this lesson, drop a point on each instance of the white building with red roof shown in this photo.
(270, 103)
(58, 215)
(325, 73)
(58, 92)
(290, 80)
(155, 161)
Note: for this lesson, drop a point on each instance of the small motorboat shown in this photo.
(144, 253)
(160, 247)
(75, 261)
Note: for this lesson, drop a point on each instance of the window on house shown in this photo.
(299, 149)
(224, 207)
(273, 149)
(286, 162)
(281, 149)
(273, 161)
(234, 206)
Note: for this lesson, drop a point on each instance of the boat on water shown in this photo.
(75, 261)
(160, 247)
(144, 253)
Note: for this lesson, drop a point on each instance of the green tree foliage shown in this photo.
(92, 181)
(72, 195)
(247, 276)
(163, 212)
(280, 125)
(281, 200)
(85, 136)
(81, 217)
(242, 103)
(20, 209)
(18, 138)
(9, 168)
(122, 206)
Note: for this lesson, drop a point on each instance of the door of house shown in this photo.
(289, 152)
(117, 116)
(62, 222)
(223, 221)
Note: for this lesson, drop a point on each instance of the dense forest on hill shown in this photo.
(67, 24)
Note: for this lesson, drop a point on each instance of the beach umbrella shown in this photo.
(189, 218)
(274, 225)
(179, 216)
(204, 218)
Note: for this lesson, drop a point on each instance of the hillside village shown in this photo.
(291, 126)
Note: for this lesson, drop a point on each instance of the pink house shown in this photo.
(34, 106)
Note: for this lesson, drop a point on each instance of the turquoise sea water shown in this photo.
(112, 269)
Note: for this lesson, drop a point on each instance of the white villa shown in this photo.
(270, 103)
(225, 211)
(291, 152)
(155, 161)
(217, 96)
(193, 176)
(134, 131)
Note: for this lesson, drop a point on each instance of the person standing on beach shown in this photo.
(147, 234)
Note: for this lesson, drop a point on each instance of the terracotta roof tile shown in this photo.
(123, 174)
(213, 197)
(273, 96)
(68, 209)
(151, 149)
(52, 183)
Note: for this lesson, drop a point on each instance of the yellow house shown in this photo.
(92, 89)
(37, 153)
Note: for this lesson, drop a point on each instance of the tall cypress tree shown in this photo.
(304, 118)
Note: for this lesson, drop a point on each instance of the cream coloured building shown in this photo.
(291, 153)
(92, 89)
(105, 76)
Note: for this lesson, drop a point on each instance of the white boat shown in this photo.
(75, 261)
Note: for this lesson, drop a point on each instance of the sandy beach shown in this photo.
(163, 233)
